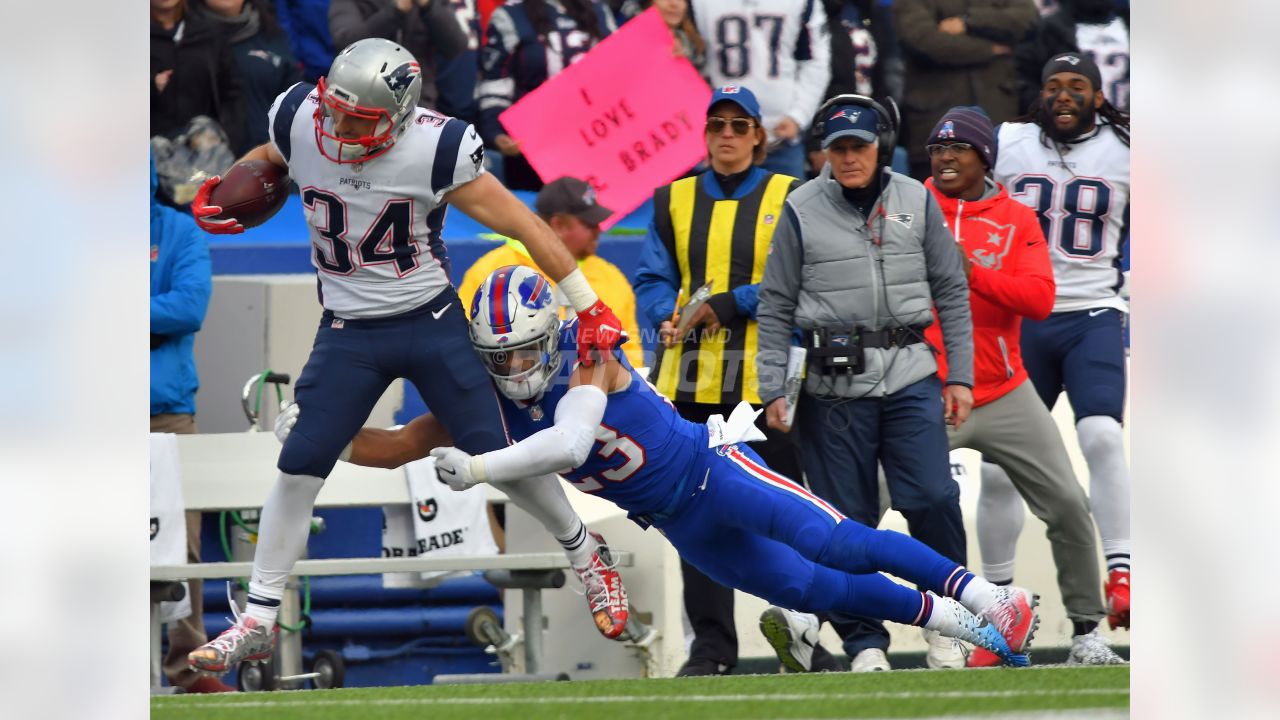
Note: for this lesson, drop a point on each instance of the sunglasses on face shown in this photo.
(955, 149)
(741, 126)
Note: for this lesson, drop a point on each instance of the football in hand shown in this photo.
(251, 192)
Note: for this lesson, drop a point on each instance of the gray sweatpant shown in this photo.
(1017, 433)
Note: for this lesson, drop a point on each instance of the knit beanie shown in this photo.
(970, 124)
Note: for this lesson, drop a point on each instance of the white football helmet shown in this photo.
(515, 326)
(372, 79)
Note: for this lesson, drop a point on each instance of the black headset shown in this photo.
(886, 121)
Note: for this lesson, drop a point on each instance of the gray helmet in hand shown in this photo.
(372, 79)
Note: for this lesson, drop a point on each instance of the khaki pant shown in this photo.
(188, 633)
(1018, 433)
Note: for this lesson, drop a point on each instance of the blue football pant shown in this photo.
(354, 361)
(749, 528)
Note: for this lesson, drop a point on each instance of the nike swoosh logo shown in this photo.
(446, 471)
(1096, 313)
(436, 315)
(703, 486)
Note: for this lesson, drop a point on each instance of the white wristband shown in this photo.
(478, 471)
(578, 290)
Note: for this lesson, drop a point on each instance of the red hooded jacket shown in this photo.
(1012, 278)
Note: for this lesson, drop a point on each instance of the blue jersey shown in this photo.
(644, 451)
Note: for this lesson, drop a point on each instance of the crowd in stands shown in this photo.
(932, 63)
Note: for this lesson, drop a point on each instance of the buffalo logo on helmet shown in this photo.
(948, 131)
(535, 293)
(427, 509)
(399, 80)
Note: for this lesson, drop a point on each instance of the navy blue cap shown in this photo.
(857, 121)
(738, 95)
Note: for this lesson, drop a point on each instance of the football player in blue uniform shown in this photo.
(610, 433)
(377, 174)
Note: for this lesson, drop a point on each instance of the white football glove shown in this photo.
(454, 467)
(285, 421)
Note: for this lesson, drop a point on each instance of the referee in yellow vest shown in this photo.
(715, 227)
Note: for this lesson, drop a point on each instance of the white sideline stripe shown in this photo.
(950, 694)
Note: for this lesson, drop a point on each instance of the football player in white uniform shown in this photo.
(781, 49)
(376, 174)
(1070, 163)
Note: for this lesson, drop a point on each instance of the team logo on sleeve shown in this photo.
(399, 80)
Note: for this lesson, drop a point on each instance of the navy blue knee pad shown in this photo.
(302, 456)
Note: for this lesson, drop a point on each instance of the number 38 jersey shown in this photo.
(643, 448)
(1080, 193)
(376, 226)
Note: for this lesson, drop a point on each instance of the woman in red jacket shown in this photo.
(1007, 264)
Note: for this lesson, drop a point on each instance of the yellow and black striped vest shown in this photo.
(726, 241)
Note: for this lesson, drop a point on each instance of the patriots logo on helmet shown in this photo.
(948, 131)
(852, 115)
(535, 293)
(399, 80)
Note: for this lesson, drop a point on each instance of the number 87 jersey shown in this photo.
(1080, 193)
(376, 225)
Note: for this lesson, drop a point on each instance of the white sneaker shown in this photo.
(944, 652)
(1093, 649)
(870, 660)
(792, 635)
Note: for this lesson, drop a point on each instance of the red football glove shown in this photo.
(599, 332)
(204, 212)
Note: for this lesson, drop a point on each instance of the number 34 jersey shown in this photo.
(376, 226)
(1080, 194)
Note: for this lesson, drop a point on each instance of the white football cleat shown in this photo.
(792, 635)
(944, 653)
(870, 660)
(1093, 649)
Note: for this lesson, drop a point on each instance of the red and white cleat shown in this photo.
(1014, 615)
(1117, 594)
(982, 657)
(606, 597)
(244, 640)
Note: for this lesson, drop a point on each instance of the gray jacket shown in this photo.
(826, 271)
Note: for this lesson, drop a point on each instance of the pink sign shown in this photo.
(627, 118)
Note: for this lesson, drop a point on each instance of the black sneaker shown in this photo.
(700, 667)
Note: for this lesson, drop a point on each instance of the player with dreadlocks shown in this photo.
(1069, 161)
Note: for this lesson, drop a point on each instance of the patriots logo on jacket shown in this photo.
(399, 80)
(902, 218)
(948, 131)
(998, 243)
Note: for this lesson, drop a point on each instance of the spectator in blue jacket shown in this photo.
(306, 22)
(181, 282)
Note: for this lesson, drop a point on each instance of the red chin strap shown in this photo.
(373, 145)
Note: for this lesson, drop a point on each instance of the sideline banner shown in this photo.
(627, 117)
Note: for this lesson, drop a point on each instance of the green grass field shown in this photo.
(907, 693)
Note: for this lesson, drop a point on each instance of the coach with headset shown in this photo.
(861, 257)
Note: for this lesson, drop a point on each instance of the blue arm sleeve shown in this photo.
(180, 311)
(745, 296)
(657, 279)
